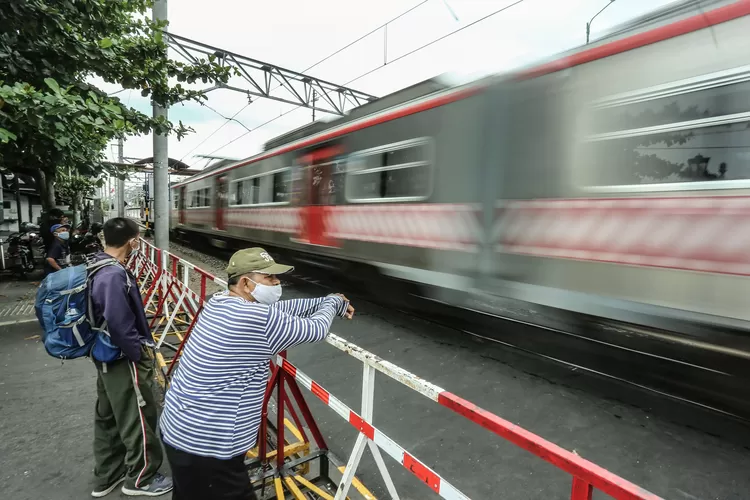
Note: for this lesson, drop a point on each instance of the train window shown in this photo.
(395, 172)
(245, 192)
(673, 137)
(697, 105)
(263, 189)
(200, 198)
(703, 153)
(249, 191)
(176, 201)
(281, 186)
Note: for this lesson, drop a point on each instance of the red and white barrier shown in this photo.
(176, 297)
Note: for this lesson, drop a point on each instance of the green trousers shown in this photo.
(125, 439)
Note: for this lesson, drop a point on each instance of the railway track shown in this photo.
(651, 379)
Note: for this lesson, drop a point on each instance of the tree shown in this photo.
(51, 119)
(74, 188)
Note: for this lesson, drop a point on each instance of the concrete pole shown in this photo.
(111, 198)
(161, 172)
(120, 182)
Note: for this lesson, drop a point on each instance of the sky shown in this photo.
(295, 34)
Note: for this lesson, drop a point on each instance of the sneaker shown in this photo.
(103, 492)
(159, 486)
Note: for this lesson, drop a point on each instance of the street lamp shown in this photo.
(588, 24)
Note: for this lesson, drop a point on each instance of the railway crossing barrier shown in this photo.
(294, 457)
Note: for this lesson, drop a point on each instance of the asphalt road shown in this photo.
(46, 410)
(656, 444)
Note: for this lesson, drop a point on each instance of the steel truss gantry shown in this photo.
(293, 87)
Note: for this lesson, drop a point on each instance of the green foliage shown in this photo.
(73, 188)
(50, 118)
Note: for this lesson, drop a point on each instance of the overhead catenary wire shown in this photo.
(412, 52)
(498, 11)
(305, 71)
(226, 122)
(365, 35)
(254, 129)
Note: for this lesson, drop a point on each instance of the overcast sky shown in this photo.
(296, 33)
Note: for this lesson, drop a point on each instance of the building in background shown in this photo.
(20, 202)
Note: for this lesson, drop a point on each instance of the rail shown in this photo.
(168, 276)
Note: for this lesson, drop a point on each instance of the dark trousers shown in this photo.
(203, 478)
(125, 439)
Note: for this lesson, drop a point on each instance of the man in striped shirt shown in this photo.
(213, 407)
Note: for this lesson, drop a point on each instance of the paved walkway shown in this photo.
(46, 408)
(17, 299)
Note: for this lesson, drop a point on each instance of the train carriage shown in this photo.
(608, 185)
(376, 186)
(646, 157)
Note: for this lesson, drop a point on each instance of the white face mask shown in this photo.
(266, 294)
(134, 246)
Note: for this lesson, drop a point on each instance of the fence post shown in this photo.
(368, 393)
(186, 276)
(581, 489)
(368, 406)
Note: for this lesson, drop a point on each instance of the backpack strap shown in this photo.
(92, 269)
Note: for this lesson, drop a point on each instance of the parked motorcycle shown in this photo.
(20, 257)
(84, 243)
(32, 238)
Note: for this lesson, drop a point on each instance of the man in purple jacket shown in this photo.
(126, 448)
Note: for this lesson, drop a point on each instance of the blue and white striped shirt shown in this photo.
(213, 405)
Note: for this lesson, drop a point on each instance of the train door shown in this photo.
(221, 202)
(320, 178)
(182, 204)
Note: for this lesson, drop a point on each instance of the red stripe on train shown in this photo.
(660, 34)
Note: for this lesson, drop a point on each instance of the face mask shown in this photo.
(266, 294)
(133, 247)
(63, 236)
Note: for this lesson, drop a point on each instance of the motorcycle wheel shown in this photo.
(28, 265)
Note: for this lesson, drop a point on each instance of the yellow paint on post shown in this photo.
(294, 489)
(293, 429)
(310, 486)
(289, 450)
(279, 488)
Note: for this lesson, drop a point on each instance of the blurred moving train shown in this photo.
(611, 184)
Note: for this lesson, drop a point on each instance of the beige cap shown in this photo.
(254, 260)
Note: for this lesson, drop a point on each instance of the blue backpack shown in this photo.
(63, 308)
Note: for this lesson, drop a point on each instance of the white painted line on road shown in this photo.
(19, 322)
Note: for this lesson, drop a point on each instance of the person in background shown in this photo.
(58, 254)
(49, 219)
(95, 235)
(126, 449)
(213, 406)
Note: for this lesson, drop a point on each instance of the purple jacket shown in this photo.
(122, 306)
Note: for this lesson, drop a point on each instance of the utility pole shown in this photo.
(18, 201)
(161, 157)
(120, 182)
